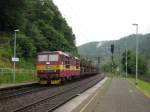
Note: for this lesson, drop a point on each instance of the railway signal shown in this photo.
(112, 51)
(112, 48)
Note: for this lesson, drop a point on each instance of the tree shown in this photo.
(131, 66)
(41, 25)
(106, 67)
(25, 47)
(11, 14)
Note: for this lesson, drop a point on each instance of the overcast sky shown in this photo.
(98, 20)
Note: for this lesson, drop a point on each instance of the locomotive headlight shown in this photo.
(47, 63)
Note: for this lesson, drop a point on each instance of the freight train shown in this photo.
(55, 67)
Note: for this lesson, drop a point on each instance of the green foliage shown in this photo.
(106, 67)
(11, 14)
(42, 28)
(144, 86)
(25, 46)
(22, 76)
(131, 57)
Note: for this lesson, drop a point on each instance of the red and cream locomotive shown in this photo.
(56, 66)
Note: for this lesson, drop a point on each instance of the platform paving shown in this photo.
(118, 95)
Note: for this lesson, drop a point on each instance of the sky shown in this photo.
(99, 20)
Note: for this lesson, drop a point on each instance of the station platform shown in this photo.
(6, 86)
(75, 104)
(109, 95)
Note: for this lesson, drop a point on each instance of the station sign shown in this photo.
(15, 59)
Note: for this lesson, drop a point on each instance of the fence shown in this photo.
(22, 75)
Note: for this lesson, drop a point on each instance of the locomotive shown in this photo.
(55, 67)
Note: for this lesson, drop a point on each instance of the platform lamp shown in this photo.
(136, 79)
(14, 74)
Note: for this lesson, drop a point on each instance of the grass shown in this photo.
(23, 69)
(142, 86)
(21, 77)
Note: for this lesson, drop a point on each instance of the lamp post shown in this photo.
(136, 25)
(126, 61)
(14, 74)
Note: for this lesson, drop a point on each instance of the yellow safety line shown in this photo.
(85, 106)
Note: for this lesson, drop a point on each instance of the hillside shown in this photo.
(102, 48)
(42, 28)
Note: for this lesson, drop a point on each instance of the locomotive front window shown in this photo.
(42, 57)
(53, 57)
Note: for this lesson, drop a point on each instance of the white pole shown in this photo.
(136, 81)
(14, 74)
(137, 53)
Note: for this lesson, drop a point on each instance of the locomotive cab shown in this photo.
(48, 67)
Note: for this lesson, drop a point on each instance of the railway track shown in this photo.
(19, 91)
(53, 101)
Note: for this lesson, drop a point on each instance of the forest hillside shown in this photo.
(41, 28)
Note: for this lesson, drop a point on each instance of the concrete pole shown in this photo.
(136, 81)
(14, 71)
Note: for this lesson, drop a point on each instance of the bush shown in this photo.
(131, 67)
